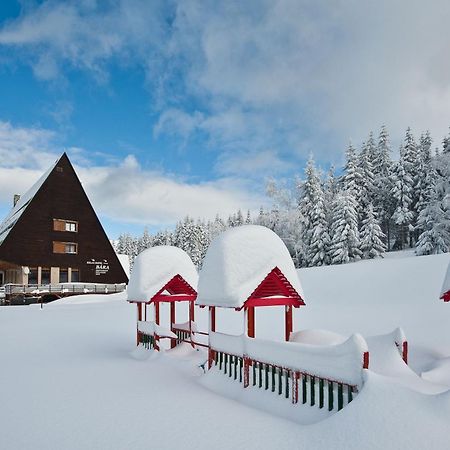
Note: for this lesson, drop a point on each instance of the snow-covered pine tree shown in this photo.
(410, 165)
(434, 219)
(424, 178)
(310, 207)
(345, 241)
(365, 162)
(402, 193)
(248, 218)
(446, 144)
(145, 241)
(352, 181)
(371, 236)
(382, 169)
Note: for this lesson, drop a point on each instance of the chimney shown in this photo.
(16, 199)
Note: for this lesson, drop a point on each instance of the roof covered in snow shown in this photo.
(446, 285)
(237, 261)
(13, 216)
(155, 267)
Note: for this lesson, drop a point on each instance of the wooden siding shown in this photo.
(30, 242)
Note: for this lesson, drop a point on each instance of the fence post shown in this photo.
(295, 376)
(246, 371)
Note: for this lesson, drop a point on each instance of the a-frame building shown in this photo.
(53, 235)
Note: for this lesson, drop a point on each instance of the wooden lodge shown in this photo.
(52, 235)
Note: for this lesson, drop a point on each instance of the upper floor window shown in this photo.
(65, 247)
(65, 225)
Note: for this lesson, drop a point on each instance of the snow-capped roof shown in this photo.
(155, 267)
(446, 284)
(13, 216)
(237, 261)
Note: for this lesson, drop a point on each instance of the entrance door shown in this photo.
(2, 278)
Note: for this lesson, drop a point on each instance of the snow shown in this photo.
(342, 362)
(74, 379)
(237, 261)
(446, 285)
(152, 328)
(316, 337)
(125, 262)
(155, 267)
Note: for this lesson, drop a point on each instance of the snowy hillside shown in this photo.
(72, 378)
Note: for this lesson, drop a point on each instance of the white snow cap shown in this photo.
(237, 261)
(155, 267)
(446, 285)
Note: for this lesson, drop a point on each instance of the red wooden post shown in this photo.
(287, 322)
(145, 312)
(191, 319)
(173, 342)
(157, 323)
(246, 371)
(139, 318)
(212, 312)
(251, 321)
(366, 360)
(405, 352)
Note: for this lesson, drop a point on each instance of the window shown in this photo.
(71, 226)
(59, 169)
(75, 278)
(63, 275)
(65, 247)
(45, 276)
(65, 225)
(33, 276)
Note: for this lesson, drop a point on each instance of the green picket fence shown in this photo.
(146, 340)
(299, 387)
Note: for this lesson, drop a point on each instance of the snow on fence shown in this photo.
(324, 373)
(149, 332)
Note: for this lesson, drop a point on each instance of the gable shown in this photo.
(275, 289)
(177, 289)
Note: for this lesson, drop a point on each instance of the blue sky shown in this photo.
(175, 107)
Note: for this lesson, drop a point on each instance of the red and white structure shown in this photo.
(162, 274)
(249, 267)
(445, 291)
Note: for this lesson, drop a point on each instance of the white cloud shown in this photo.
(293, 76)
(124, 192)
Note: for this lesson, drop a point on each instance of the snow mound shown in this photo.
(342, 362)
(87, 299)
(155, 267)
(445, 291)
(386, 359)
(440, 373)
(237, 261)
(317, 337)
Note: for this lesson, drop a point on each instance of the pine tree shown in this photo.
(145, 241)
(401, 192)
(372, 245)
(366, 160)
(345, 241)
(315, 239)
(382, 169)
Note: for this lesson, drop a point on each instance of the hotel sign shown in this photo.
(101, 267)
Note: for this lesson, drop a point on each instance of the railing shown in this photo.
(313, 388)
(63, 288)
(190, 336)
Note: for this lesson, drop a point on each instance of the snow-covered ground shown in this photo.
(71, 377)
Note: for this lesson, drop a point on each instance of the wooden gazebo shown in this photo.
(162, 274)
(245, 268)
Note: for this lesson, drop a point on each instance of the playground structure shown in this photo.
(245, 268)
